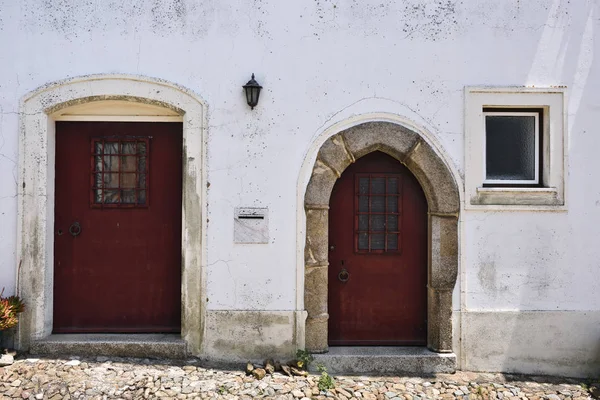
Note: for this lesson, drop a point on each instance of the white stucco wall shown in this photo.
(320, 63)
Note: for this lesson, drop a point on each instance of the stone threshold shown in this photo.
(153, 345)
(364, 360)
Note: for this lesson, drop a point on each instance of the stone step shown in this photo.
(362, 360)
(118, 345)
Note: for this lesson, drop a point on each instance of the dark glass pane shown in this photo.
(392, 242)
(142, 181)
(363, 241)
(98, 163)
(377, 185)
(111, 180)
(363, 222)
(128, 181)
(111, 196)
(392, 204)
(392, 187)
(510, 147)
(392, 223)
(142, 197)
(111, 163)
(111, 147)
(363, 185)
(378, 241)
(98, 148)
(142, 164)
(363, 203)
(377, 204)
(128, 148)
(128, 196)
(98, 196)
(128, 163)
(378, 222)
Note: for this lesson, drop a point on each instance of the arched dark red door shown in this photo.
(377, 255)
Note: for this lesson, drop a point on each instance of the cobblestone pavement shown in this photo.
(104, 378)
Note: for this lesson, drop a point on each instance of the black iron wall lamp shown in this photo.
(252, 89)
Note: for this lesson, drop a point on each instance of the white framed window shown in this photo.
(512, 143)
(514, 148)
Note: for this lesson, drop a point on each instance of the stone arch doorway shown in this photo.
(103, 98)
(441, 192)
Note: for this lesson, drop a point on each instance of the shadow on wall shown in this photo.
(558, 342)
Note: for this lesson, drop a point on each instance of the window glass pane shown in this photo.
(363, 222)
(128, 180)
(392, 186)
(111, 180)
(377, 204)
(377, 185)
(392, 223)
(363, 185)
(378, 241)
(111, 196)
(111, 147)
(128, 163)
(142, 181)
(128, 148)
(377, 222)
(392, 204)
(392, 242)
(128, 196)
(142, 197)
(363, 241)
(510, 147)
(363, 203)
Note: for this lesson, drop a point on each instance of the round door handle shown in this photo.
(75, 229)
(343, 276)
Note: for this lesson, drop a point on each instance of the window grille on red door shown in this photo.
(378, 207)
(119, 172)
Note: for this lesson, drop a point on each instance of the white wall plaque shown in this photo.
(251, 225)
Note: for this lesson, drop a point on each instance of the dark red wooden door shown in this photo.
(377, 255)
(117, 227)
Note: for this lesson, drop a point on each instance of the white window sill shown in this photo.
(517, 197)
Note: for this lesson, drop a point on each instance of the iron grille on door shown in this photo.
(378, 207)
(119, 172)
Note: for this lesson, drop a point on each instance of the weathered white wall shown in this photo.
(321, 62)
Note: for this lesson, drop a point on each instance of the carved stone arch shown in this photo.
(102, 98)
(441, 191)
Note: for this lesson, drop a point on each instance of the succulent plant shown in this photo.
(9, 308)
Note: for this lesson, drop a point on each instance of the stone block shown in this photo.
(334, 153)
(444, 251)
(317, 237)
(385, 360)
(390, 138)
(315, 295)
(316, 334)
(435, 178)
(439, 317)
(320, 185)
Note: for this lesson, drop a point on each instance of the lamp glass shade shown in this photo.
(252, 89)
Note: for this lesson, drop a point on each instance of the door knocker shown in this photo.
(343, 276)
(75, 229)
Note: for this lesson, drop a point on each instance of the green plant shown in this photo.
(222, 389)
(305, 357)
(9, 308)
(325, 380)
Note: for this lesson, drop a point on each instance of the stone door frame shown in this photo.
(415, 151)
(35, 227)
